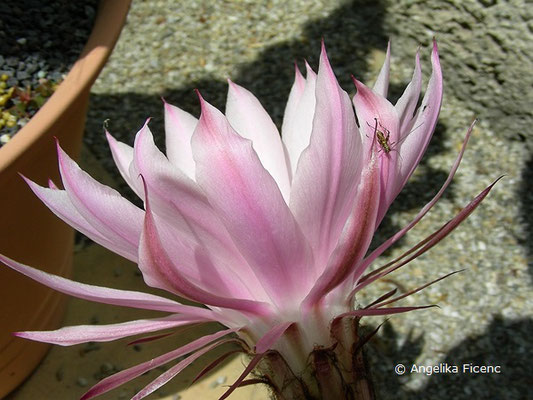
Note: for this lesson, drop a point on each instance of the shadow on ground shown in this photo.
(505, 344)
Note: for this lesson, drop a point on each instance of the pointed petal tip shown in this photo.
(435, 50)
(109, 137)
(358, 84)
(203, 103)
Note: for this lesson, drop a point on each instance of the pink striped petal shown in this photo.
(381, 86)
(71, 335)
(126, 375)
(328, 170)
(190, 231)
(99, 294)
(179, 126)
(165, 273)
(59, 203)
(298, 124)
(250, 120)
(375, 113)
(356, 236)
(251, 207)
(103, 207)
(412, 148)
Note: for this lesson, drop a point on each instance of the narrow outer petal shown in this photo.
(126, 375)
(175, 370)
(248, 117)
(328, 170)
(125, 298)
(249, 203)
(179, 126)
(71, 335)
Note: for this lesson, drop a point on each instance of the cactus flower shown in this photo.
(268, 233)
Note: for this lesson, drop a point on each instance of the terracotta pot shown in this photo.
(29, 232)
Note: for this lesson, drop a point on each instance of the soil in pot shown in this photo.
(39, 43)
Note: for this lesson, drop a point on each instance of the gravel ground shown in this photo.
(39, 41)
(169, 48)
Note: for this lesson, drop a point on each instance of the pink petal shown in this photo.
(179, 126)
(298, 120)
(126, 375)
(251, 207)
(412, 148)
(71, 335)
(247, 116)
(328, 170)
(59, 203)
(405, 106)
(381, 86)
(123, 157)
(162, 272)
(189, 229)
(103, 207)
(125, 298)
(370, 107)
(295, 95)
(355, 238)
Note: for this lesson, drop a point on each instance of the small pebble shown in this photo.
(217, 382)
(60, 373)
(106, 367)
(81, 381)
